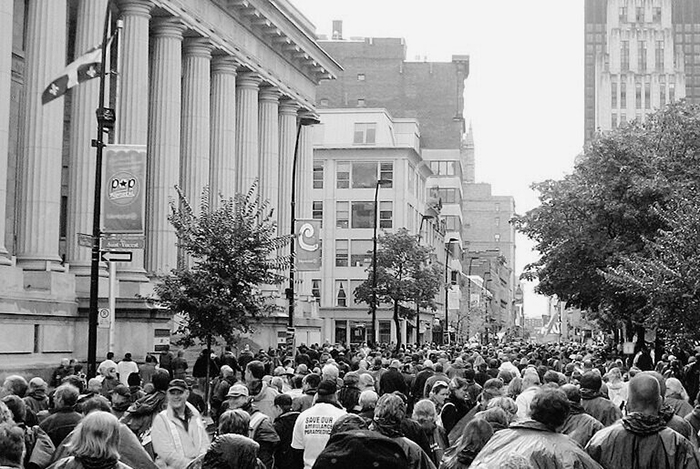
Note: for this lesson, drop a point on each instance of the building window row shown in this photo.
(358, 214)
(365, 132)
(364, 175)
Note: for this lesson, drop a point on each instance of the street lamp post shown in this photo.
(373, 306)
(448, 248)
(304, 119)
(420, 232)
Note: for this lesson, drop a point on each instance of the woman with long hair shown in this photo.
(476, 434)
(94, 444)
(424, 413)
(456, 405)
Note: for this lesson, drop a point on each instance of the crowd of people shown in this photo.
(516, 405)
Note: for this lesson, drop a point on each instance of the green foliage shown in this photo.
(230, 251)
(403, 275)
(607, 214)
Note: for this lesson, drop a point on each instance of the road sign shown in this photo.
(116, 256)
(122, 241)
(103, 319)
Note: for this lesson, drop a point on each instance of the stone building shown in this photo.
(211, 88)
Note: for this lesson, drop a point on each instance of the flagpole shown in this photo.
(98, 143)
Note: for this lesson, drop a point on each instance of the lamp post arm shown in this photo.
(292, 247)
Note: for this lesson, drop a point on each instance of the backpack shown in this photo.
(255, 420)
(39, 447)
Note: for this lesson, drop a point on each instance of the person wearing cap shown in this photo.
(313, 426)
(392, 379)
(262, 394)
(641, 438)
(578, 425)
(120, 398)
(594, 403)
(178, 433)
(261, 428)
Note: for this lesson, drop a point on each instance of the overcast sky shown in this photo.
(524, 93)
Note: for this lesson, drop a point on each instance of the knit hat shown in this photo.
(327, 387)
(361, 449)
(590, 380)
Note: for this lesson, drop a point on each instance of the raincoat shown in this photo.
(580, 426)
(599, 407)
(639, 441)
(543, 448)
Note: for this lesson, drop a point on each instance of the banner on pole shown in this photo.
(308, 245)
(124, 189)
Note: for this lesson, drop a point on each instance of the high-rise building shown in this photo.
(639, 56)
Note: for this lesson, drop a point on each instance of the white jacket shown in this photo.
(174, 446)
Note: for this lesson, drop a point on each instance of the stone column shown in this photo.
(305, 168)
(40, 180)
(222, 175)
(288, 131)
(194, 146)
(5, 97)
(269, 145)
(132, 109)
(163, 144)
(81, 169)
(247, 130)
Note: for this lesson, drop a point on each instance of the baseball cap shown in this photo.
(238, 390)
(177, 384)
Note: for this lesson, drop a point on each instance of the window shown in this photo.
(360, 77)
(613, 93)
(411, 179)
(316, 289)
(360, 102)
(662, 90)
(452, 223)
(497, 221)
(639, 15)
(623, 14)
(614, 120)
(659, 56)
(318, 174)
(361, 252)
(657, 14)
(385, 214)
(362, 214)
(342, 176)
(497, 207)
(384, 332)
(625, 56)
(449, 196)
(353, 286)
(317, 210)
(386, 172)
(443, 168)
(341, 296)
(671, 92)
(638, 95)
(364, 175)
(341, 252)
(341, 332)
(365, 132)
(642, 56)
(623, 92)
(324, 102)
(647, 95)
(342, 214)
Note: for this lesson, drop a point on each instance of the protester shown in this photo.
(64, 417)
(641, 438)
(475, 436)
(579, 425)
(11, 446)
(425, 414)
(125, 367)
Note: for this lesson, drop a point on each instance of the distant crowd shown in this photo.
(516, 405)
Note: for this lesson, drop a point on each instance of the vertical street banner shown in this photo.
(308, 245)
(124, 189)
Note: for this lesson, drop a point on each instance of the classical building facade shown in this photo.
(211, 88)
(639, 56)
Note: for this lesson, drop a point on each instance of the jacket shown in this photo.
(59, 424)
(174, 445)
(72, 463)
(265, 400)
(602, 409)
(619, 447)
(284, 426)
(543, 448)
(263, 433)
(580, 427)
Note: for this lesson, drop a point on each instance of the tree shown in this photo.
(403, 275)
(604, 213)
(232, 251)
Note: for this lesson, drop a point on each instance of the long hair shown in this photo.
(96, 436)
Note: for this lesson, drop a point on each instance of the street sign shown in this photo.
(122, 241)
(103, 319)
(85, 240)
(116, 256)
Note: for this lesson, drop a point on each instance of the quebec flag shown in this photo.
(85, 67)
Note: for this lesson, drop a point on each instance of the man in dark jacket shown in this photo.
(579, 425)
(392, 380)
(284, 426)
(594, 403)
(641, 438)
(64, 418)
